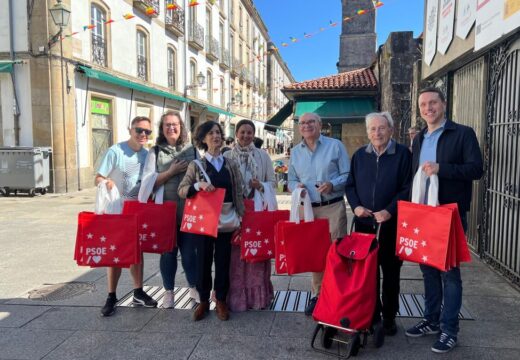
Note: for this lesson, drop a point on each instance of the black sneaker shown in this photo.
(444, 344)
(143, 299)
(110, 307)
(423, 327)
(390, 327)
(310, 306)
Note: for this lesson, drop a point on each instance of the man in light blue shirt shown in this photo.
(321, 165)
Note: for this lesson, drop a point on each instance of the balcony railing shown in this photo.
(235, 69)
(196, 36)
(212, 48)
(175, 20)
(225, 60)
(145, 5)
(142, 67)
(171, 79)
(244, 73)
(99, 50)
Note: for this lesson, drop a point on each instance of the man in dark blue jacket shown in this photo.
(450, 151)
(380, 174)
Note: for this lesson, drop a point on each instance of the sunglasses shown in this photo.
(139, 131)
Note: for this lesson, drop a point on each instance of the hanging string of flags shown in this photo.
(151, 11)
(332, 24)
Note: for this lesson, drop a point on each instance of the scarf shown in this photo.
(247, 164)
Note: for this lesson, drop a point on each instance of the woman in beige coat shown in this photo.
(221, 173)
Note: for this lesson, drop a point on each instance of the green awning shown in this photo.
(213, 109)
(6, 66)
(103, 76)
(282, 114)
(337, 108)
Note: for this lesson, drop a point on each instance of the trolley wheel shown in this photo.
(32, 192)
(43, 191)
(355, 345)
(327, 335)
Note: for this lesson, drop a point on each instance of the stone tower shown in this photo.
(357, 44)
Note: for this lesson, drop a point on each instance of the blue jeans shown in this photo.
(168, 262)
(439, 287)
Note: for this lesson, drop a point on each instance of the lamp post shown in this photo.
(236, 99)
(60, 16)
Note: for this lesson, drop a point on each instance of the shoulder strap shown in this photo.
(197, 162)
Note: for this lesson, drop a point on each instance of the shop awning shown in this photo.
(6, 66)
(336, 108)
(213, 109)
(112, 79)
(277, 119)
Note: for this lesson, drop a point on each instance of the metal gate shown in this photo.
(502, 181)
(468, 108)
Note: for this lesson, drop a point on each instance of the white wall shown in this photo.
(19, 25)
(23, 92)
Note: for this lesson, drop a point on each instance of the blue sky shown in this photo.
(317, 56)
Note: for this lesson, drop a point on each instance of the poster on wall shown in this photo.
(446, 23)
(430, 44)
(495, 18)
(466, 14)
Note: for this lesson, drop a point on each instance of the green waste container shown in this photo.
(24, 169)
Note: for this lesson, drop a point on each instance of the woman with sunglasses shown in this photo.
(164, 169)
(250, 283)
(221, 173)
(122, 167)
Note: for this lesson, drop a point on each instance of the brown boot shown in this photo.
(222, 310)
(201, 311)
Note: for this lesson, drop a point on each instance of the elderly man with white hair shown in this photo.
(380, 175)
(320, 164)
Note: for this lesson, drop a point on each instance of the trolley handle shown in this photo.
(378, 227)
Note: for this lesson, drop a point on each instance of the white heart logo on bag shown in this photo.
(189, 225)
(253, 251)
(409, 244)
(408, 251)
(96, 259)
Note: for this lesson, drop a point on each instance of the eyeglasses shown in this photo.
(171, 125)
(308, 122)
(139, 131)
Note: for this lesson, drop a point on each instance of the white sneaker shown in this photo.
(168, 299)
(194, 294)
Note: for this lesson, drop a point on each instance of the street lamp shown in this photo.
(60, 15)
(201, 79)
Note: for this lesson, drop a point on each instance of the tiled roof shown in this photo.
(361, 79)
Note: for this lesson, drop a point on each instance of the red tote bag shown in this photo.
(280, 260)
(201, 213)
(258, 226)
(156, 224)
(257, 237)
(305, 243)
(106, 240)
(430, 234)
(348, 289)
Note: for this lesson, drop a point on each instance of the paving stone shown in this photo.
(101, 345)
(281, 282)
(82, 318)
(29, 344)
(17, 316)
(300, 283)
(491, 308)
(180, 322)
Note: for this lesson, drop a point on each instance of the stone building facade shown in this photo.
(123, 58)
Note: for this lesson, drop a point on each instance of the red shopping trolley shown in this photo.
(347, 300)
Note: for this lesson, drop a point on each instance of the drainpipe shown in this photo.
(187, 120)
(16, 108)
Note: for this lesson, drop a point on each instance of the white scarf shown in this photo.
(247, 164)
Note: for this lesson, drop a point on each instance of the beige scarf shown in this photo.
(247, 164)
